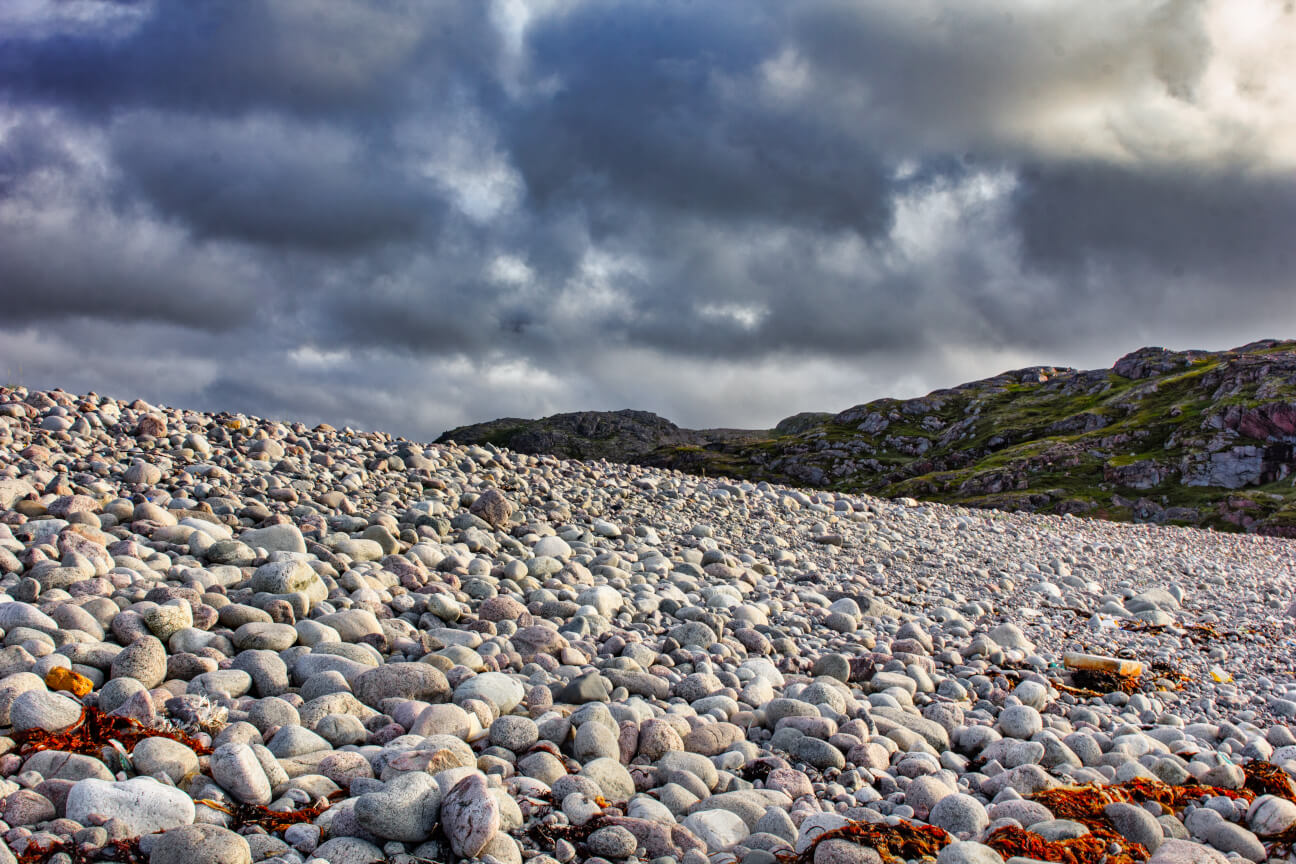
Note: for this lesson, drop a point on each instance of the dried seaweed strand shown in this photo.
(550, 834)
(1075, 691)
(1105, 682)
(264, 817)
(1092, 848)
(1266, 778)
(1085, 802)
(895, 844)
(120, 851)
(94, 729)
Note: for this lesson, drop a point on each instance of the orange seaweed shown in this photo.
(1086, 802)
(1266, 778)
(896, 844)
(1089, 849)
(94, 729)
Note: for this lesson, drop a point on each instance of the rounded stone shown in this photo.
(612, 778)
(1269, 815)
(143, 804)
(420, 681)
(405, 809)
(1020, 721)
(612, 842)
(40, 709)
(145, 660)
(968, 852)
(961, 815)
(162, 755)
(200, 844)
(502, 691)
(1136, 824)
(238, 771)
(470, 816)
(836, 851)
(514, 733)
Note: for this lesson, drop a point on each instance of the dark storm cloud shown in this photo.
(67, 252)
(1229, 225)
(226, 56)
(518, 206)
(105, 274)
(269, 184)
(646, 116)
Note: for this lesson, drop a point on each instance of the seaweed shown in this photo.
(1168, 672)
(94, 729)
(1092, 848)
(1198, 633)
(264, 817)
(756, 769)
(1085, 804)
(1266, 778)
(121, 851)
(574, 834)
(1089, 683)
(1079, 803)
(1098, 681)
(1082, 692)
(903, 841)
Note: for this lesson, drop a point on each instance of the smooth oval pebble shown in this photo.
(469, 816)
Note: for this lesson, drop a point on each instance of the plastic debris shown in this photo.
(1098, 663)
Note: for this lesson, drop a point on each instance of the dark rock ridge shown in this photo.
(1191, 437)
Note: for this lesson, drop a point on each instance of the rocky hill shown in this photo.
(1186, 437)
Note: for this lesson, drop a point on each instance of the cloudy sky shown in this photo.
(414, 214)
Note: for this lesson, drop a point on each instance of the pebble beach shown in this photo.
(229, 639)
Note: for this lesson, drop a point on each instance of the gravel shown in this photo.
(461, 651)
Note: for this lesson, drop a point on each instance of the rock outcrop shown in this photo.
(1195, 437)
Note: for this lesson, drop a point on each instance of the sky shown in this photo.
(416, 214)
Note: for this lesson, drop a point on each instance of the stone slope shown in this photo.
(1187, 437)
(462, 653)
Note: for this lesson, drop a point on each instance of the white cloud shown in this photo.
(460, 154)
(310, 357)
(505, 269)
(39, 19)
(739, 210)
(786, 76)
(746, 315)
(1175, 82)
